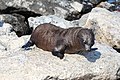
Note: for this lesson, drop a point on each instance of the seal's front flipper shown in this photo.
(59, 51)
(58, 54)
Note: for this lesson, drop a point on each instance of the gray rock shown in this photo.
(18, 23)
(83, 19)
(106, 26)
(34, 22)
(94, 3)
(9, 40)
(61, 8)
(2, 5)
(106, 5)
(75, 15)
(44, 7)
(68, 9)
(5, 29)
(37, 64)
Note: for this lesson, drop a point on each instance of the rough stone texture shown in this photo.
(105, 5)
(34, 22)
(2, 5)
(5, 28)
(18, 23)
(112, 6)
(9, 40)
(44, 7)
(60, 8)
(95, 1)
(37, 64)
(68, 9)
(77, 6)
(106, 26)
(82, 20)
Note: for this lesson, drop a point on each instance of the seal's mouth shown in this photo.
(91, 49)
(87, 47)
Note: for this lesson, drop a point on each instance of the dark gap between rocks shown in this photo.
(117, 49)
(75, 15)
(24, 12)
(85, 77)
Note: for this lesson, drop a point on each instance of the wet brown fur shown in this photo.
(48, 37)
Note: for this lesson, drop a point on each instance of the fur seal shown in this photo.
(59, 41)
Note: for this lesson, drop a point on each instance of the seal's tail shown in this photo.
(28, 44)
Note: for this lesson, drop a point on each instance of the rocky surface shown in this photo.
(105, 25)
(8, 39)
(21, 10)
(18, 23)
(42, 65)
(61, 8)
(44, 7)
(20, 64)
(17, 17)
(35, 21)
(106, 5)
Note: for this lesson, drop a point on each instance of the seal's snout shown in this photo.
(87, 47)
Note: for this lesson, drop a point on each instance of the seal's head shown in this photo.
(88, 38)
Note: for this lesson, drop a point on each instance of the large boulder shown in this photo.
(37, 64)
(106, 26)
(68, 9)
(45, 7)
(35, 21)
(20, 64)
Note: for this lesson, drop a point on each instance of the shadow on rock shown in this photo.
(1, 23)
(92, 56)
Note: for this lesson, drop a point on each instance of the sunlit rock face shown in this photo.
(17, 63)
(41, 65)
(102, 63)
(34, 22)
(105, 25)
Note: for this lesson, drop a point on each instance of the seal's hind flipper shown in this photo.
(28, 44)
